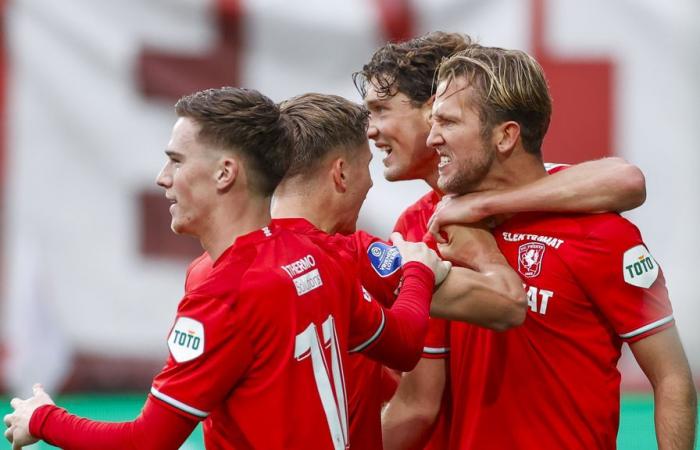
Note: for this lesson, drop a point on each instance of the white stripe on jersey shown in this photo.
(436, 350)
(550, 166)
(648, 327)
(178, 404)
(373, 338)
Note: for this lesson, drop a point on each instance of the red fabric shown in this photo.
(580, 306)
(413, 225)
(363, 375)
(254, 308)
(156, 428)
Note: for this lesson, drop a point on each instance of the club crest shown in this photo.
(530, 259)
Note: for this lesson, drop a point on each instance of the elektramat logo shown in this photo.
(639, 268)
(385, 259)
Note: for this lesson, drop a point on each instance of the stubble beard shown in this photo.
(469, 175)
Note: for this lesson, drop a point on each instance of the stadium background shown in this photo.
(90, 273)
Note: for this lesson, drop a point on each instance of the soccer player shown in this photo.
(397, 87)
(257, 348)
(326, 185)
(321, 195)
(592, 284)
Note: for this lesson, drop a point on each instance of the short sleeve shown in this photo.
(209, 352)
(437, 341)
(623, 279)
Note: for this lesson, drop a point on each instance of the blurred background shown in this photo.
(90, 274)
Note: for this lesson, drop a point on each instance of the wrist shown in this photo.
(38, 419)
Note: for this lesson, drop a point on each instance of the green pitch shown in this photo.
(636, 421)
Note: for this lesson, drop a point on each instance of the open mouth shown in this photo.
(444, 160)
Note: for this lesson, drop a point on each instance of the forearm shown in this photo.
(410, 416)
(675, 413)
(491, 299)
(157, 428)
(608, 184)
(401, 342)
(405, 428)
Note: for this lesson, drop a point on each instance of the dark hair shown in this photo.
(409, 67)
(246, 122)
(508, 85)
(322, 124)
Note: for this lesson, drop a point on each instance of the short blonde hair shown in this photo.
(508, 85)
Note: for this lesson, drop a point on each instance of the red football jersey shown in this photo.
(258, 347)
(553, 382)
(413, 225)
(378, 267)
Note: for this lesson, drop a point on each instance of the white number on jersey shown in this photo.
(307, 343)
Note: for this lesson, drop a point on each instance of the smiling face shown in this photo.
(399, 129)
(189, 178)
(456, 135)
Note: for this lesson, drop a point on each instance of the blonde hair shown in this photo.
(508, 85)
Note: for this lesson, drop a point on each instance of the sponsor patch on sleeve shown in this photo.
(385, 259)
(639, 268)
(186, 341)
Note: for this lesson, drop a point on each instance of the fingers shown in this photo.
(8, 434)
(37, 389)
(442, 271)
(397, 238)
(434, 229)
(15, 402)
(7, 419)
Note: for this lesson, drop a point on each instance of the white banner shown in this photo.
(86, 139)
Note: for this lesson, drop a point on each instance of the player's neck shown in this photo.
(295, 205)
(295, 198)
(231, 220)
(432, 180)
(519, 169)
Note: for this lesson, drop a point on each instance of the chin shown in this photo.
(394, 174)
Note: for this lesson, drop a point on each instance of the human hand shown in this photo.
(464, 209)
(471, 246)
(420, 252)
(17, 422)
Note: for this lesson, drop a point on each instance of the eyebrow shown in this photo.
(374, 102)
(172, 153)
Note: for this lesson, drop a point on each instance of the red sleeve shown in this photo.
(437, 340)
(156, 428)
(623, 279)
(379, 267)
(399, 340)
(555, 167)
(210, 350)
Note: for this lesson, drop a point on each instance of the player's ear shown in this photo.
(506, 136)
(226, 173)
(339, 174)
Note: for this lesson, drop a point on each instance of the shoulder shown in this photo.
(418, 212)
